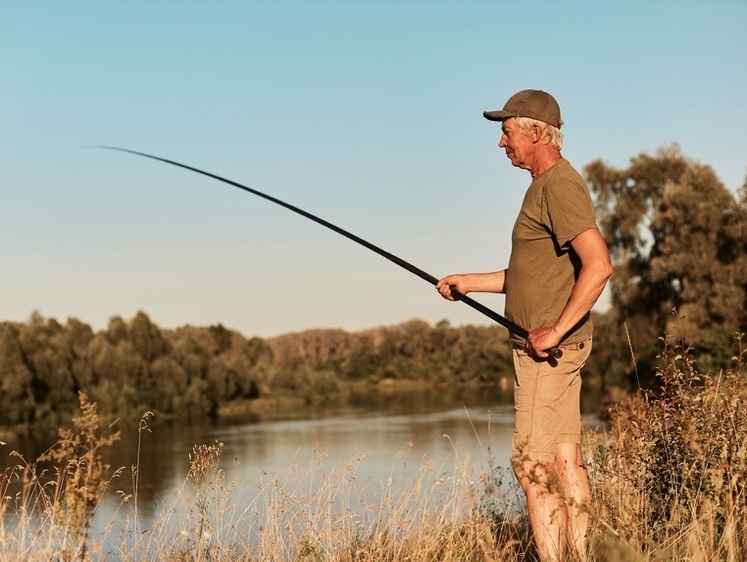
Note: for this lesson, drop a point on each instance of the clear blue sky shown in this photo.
(368, 114)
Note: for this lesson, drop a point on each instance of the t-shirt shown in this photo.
(542, 268)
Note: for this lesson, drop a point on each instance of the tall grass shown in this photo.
(668, 477)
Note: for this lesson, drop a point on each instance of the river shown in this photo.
(384, 437)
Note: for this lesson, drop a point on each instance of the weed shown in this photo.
(670, 478)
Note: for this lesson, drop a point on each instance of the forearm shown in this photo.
(596, 269)
(586, 291)
(492, 282)
(463, 283)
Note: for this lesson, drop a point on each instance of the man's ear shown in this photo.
(535, 133)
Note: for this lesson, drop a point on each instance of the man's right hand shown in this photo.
(451, 284)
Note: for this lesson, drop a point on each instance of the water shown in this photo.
(388, 435)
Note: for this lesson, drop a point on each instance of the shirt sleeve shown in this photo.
(568, 210)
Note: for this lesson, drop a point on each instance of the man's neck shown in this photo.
(546, 158)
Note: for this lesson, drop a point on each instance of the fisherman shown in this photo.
(558, 267)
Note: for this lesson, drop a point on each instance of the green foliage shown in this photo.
(678, 239)
(16, 380)
(135, 366)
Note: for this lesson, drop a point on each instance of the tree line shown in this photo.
(677, 236)
(134, 366)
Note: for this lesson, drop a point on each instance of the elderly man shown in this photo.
(558, 267)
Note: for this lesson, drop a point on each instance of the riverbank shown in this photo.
(281, 404)
(667, 485)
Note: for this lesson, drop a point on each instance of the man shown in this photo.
(558, 267)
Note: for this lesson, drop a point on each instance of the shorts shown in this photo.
(547, 402)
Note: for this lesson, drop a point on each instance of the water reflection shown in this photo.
(379, 424)
(394, 432)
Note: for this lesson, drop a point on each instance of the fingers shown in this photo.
(445, 287)
(445, 291)
(539, 340)
(531, 349)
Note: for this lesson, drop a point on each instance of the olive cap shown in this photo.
(535, 104)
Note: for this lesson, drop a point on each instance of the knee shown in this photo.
(562, 465)
(529, 473)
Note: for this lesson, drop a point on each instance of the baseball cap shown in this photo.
(535, 104)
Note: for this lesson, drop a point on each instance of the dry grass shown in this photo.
(304, 514)
(668, 477)
(313, 513)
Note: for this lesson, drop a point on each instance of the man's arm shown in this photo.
(596, 269)
(463, 283)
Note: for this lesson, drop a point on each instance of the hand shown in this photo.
(541, 339)
(451, 284)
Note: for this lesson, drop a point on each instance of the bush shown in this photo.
(671, 477)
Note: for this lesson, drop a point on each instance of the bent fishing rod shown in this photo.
(505, 322)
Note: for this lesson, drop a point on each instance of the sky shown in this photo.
(366, 114)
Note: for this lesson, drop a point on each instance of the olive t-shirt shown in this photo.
(542, 269)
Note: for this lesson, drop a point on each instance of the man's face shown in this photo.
(517, 143)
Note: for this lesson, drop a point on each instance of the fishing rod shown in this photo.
(505, 322)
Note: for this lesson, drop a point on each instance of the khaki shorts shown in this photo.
(547, 402)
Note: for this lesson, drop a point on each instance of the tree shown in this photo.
(146, 338)
(676, 236)
(17, 404)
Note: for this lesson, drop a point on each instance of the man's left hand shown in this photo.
(541, 339)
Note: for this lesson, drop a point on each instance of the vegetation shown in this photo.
(191, 372)
(670, 480)
(678, 239)
(668, 484)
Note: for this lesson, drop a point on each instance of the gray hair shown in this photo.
(550, 135)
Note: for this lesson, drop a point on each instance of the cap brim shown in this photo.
(500, 115)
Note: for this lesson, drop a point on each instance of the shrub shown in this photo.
(671, 477)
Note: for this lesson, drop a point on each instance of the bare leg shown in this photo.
(548, 515)
(558, 496)
(577, 491)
